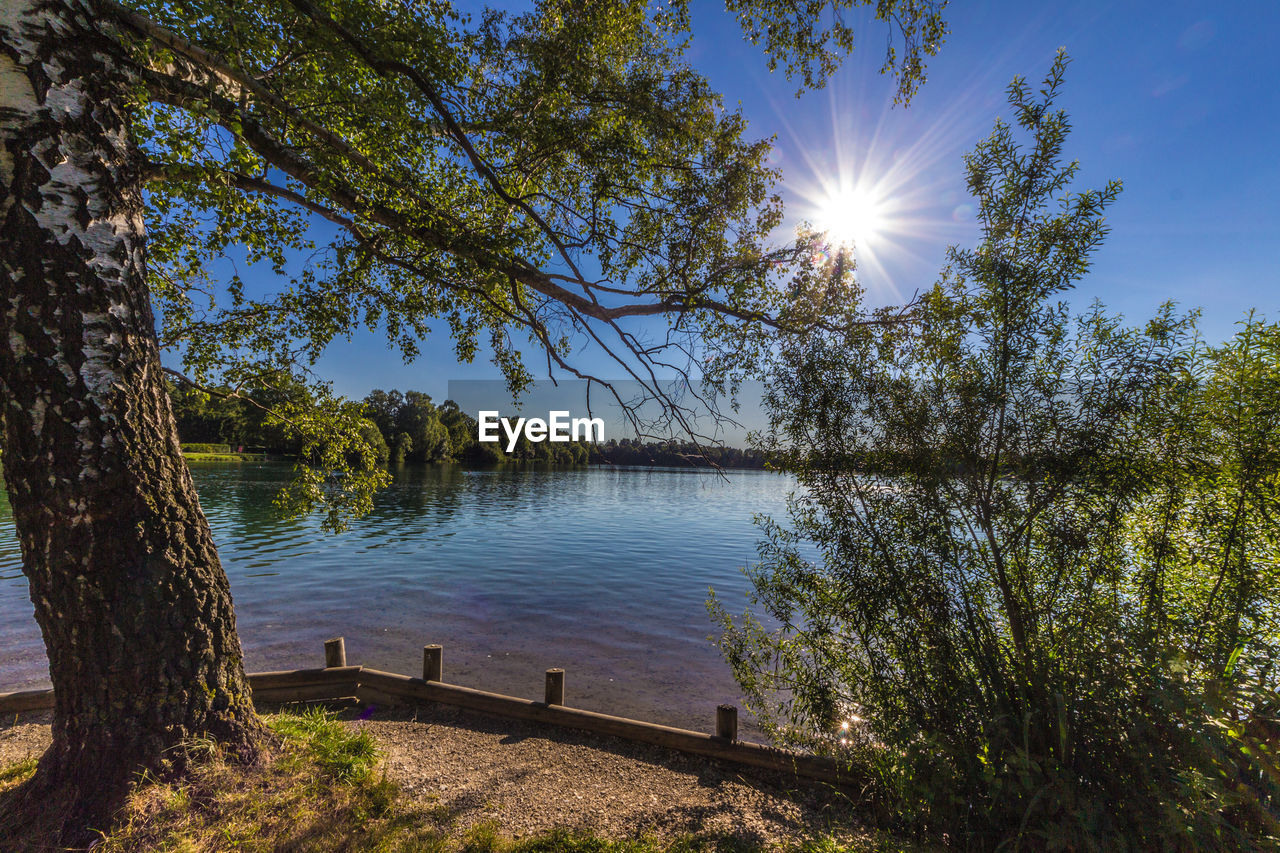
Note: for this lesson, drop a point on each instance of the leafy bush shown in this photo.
(1045, 606)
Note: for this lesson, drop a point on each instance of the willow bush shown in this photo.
(1030, 581)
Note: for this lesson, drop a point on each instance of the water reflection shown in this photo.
(601, 571)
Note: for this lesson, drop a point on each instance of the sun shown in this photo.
(871, 195)
(852, 217)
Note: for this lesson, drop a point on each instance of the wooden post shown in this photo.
(432, 662)
(727, 722)
(555, 686)
(335, 652)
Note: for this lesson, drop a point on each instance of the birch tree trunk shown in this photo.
(128, 590)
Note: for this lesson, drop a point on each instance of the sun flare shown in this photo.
(872, 195)
(852, 218)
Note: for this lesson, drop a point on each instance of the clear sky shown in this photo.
(1177, 99)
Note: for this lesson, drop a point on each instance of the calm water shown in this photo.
(601, 571)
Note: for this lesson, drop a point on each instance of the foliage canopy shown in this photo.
(536, 182)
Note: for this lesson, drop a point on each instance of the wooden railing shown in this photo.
(338, 681)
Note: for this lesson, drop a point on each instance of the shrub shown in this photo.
(1033, 579)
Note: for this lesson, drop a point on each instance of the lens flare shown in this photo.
(852, 217)
(879, 185)
(865, 209)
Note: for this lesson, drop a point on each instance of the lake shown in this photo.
(602, 571)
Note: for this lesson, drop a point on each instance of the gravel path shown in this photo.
(529, 779)
(23, 736)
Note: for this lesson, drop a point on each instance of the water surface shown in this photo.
(602, 571)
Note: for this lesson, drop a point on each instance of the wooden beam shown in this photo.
(307, 692)
(554, 693)
(314, 683)
(303, 677)
(370, 695)
(26, 700)
(335, 653)
(727, 722)
(432, 662)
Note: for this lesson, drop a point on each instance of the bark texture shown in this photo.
(127, 587)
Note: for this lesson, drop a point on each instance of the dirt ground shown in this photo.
(527, 779)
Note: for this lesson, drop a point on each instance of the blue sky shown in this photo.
(1177, 99)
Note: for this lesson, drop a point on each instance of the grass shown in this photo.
(323, 790)
(17, 771)
(225, 457)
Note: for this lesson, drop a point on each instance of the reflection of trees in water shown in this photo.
(237, 498)
(421, 493)
(501, 490)
(422, 499)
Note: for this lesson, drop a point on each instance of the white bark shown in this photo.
(39, 89)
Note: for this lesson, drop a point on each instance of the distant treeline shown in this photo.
(409, 427)
(673, 454)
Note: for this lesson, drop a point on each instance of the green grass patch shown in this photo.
(205, 447)
(224, 457)
(338, 752)
(18, 771)
(322, 790)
